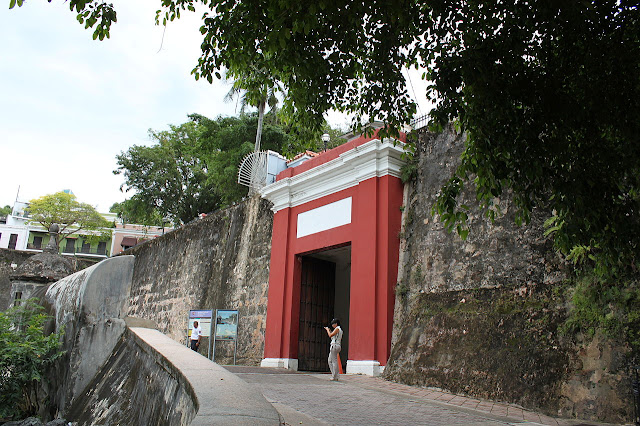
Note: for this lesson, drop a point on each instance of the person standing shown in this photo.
(334, 349)
(196, 335)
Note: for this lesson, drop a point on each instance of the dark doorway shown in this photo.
(37, 242)
(317, 296)
(324, 294)
(13, 240)
(70, 245)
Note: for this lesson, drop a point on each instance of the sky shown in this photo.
(69, 104)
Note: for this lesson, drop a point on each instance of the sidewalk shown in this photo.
(311, 399)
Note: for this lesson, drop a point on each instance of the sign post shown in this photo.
(226, 329)
(204, 317)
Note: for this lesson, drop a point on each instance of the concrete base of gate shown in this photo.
(288, 363)
(369, 368)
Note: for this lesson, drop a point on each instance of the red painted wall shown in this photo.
(373, 234)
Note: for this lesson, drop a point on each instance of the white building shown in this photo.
(17, 233)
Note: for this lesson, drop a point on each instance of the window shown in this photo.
(102, 247)
(70, 246)
(13, 240)
(37, 242)
(86, 248)
(17, 299)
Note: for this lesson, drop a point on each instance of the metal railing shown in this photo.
(83, 250)
(419, 122)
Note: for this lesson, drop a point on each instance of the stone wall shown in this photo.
(114, 372)
(483, 317)
(90, 306)
(219, 262)
(8, 258)
(16, 257)
(136, 386)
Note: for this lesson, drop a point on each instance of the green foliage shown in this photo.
(409, 170)
(93, 14)
(612, 307)
(131, 211)
(25, 354)
(69, 214)
(192, 168)
(226, 141)
(548, 93)
(170, 177)
(6, 210)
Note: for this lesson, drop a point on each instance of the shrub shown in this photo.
(25, 353)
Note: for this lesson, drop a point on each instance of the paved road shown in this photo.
(311, 399)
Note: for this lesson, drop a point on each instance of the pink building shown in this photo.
(127, 235)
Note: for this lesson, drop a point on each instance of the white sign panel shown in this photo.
(323, 218)
(204, 321)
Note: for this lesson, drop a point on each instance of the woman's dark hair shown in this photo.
(335, 321)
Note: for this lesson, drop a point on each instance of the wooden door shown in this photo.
(317, 295)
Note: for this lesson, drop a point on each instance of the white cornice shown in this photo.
(372, 159)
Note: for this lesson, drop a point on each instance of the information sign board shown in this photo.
(226, 324)
(204, 318)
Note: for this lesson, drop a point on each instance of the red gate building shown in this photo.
(334, 253)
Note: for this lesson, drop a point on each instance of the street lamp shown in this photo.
(325, 139)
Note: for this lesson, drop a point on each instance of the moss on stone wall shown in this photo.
(485, 342)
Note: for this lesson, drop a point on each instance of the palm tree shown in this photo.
(257, 89)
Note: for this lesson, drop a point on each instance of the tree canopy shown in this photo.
(547, 92)
(191, 168)
(70, 215)
(169, 177)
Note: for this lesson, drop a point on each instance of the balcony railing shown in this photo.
(83, 250)
(420, 122)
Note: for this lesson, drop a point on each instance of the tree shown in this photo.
(227, 140)
(92, 14)
(256, 89)
(547, 93)
(6, 210)
(70, 215)
(192, 168)
(25, 354)
(134, 211)
(170, 177)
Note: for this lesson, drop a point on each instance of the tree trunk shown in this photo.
(260, 120)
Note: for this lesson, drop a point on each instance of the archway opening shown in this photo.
(324, 294)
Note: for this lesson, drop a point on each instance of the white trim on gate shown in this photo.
(288, 363)
(369, 368)
(375, 158)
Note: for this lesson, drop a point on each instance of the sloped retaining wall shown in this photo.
(135, 386)
(113, 375)
(153, 380)
(90, 305)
